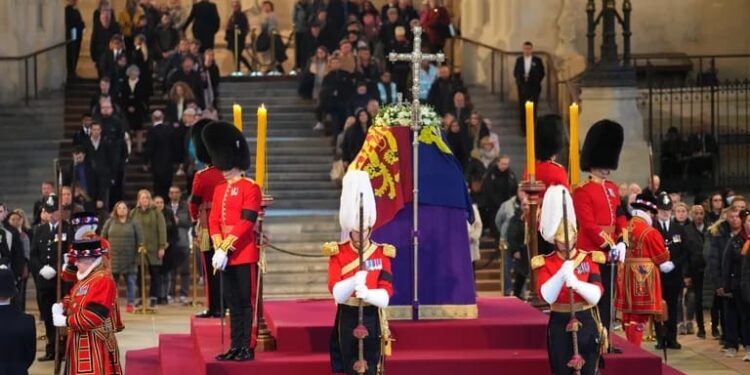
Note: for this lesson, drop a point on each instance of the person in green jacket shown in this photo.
(154, 241)
(125, 237)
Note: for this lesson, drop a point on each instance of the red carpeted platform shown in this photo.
(509, 337)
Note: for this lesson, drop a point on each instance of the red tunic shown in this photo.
(638, 280)
(586, 270)
(92, 322)
(344, 262)
(549, 173)
(204, 183)
(600, 224)
(236, 205)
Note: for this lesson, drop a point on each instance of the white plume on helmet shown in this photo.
(354, 184)
(552, 213)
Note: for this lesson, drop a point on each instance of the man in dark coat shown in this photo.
(336, 88)
(74, 30)
(673, 282)
(498, 186)
(44, 264)
(158, 157)
(18, 346)
(205, 20)
(441, 92)
(529, 73)
(191, 77)
(237, 21)
(99, 157)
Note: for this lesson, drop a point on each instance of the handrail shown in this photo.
(33, 56)
(550, 66)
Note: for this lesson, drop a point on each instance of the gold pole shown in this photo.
(144, 308)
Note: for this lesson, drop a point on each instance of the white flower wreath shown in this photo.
(400, 115)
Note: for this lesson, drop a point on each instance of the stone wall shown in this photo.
(27, 26)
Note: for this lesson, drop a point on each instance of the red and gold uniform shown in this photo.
(92, 321)
(591, 333)
(204, 184)
(639, 293)
(549, 173)
(231, 223)
(600, 222)
(343, 265)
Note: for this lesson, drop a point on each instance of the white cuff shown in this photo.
(343, 290)
(378, 297)
(551, 289)
(590, 292)
(666, 267)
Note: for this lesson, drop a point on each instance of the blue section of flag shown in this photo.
(441, 180)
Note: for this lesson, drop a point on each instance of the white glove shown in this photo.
(219, 260)
(362, 292)
(567, 268)
(360, 278)
(58, 318)
(377, 297)
(667, 266)
(571, 281)
(343, 290)
(617, 253)
(47, 272)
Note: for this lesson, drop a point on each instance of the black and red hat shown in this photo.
(645, 202)
(88, 249)
(85, 225)
(227, 146)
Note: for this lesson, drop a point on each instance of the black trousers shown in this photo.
(670, 294)
(695, 300)
(238, 287)
(211, 283)
(560, 342)
(72, 50)
(717, 314)
(46, 297)
(162, 178)
(737, 321)
(607, 271)
(344, 346)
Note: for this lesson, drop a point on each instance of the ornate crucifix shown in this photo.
(416, 58)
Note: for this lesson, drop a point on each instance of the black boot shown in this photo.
(244, 354)
(230, 355)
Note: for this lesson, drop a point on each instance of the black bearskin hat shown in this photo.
(227, 146)
(549, 137)
(602, 146)
(201, 153)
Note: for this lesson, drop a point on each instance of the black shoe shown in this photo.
(674, 345)
(715, 332)
(701, 334)
(47, 357)
(244, 354)
(207, 314)
(659, 346)
(229, 355)
(162, 301)
(615, 350)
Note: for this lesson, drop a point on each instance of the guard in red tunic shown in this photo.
(235, 208)
(202, 192)
(349, 285)
(597, 205)
(557, 277)
(547, 144)
(639, 294)
(89, 313)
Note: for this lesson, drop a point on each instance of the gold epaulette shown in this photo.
(389, 250)
(330, 249)
(537, 261)
(598, 257)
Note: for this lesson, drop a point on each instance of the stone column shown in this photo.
(619, 104)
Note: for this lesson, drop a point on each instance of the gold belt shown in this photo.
(354, 302)
(565, 307)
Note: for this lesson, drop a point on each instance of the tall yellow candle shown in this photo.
(237, 111)
(260, 147)
(573, 152)
(530, 152)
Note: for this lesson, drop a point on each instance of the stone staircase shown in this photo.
(30, 141)
(303, 215)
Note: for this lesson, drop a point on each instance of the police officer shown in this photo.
(18, 346)
(674, 281)
(45, 264)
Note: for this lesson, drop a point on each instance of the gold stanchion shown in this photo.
(264, 342)
(144, 309)
(193, 276)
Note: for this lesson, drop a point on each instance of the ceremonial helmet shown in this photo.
(551, 223)
(226, 146)
(548, 137)
(357, 184)
(85, 225)
(51, 204)
(602, 146)
(201, 153)
(663, 201)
